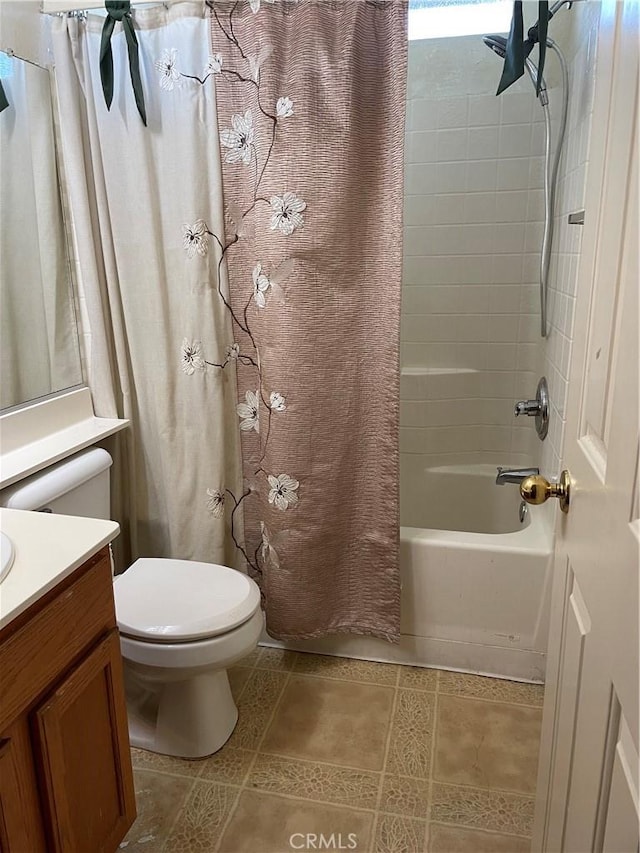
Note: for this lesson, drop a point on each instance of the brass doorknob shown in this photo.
(536, 490)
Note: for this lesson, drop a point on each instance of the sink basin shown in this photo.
(7, 553)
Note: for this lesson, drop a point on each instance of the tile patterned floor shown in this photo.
(406, 759)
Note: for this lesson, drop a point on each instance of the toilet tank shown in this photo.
(78, 485)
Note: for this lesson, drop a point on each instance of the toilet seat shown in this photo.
(181, 601)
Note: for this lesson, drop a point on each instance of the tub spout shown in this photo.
(514, 475)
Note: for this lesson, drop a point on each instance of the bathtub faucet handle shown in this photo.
(527, 407)
(514, 475)
(537, 408)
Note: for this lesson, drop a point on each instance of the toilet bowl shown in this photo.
(182, 623)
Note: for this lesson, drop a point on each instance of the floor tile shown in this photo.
(255, 706)
(276, 659)
(487, 744)
(158, 800)
(308, 752)
(265, 823)
(411, 734)
(250, 659)
(496, 811)
(402, 795)
(399, 834)
(228, 765)
(496, 689)
(145, 760)
(202, 818)
(418, 677)
(238, 677)
(334, 721)
(455, 839)
(346, 669)
(313, 781)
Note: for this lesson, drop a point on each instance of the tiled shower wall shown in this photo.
(473, 220)
(580, 50)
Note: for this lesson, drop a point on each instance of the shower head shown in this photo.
(498, 44)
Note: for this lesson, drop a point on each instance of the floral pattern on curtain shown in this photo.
(150, 295)
(311, 100)
(304, 101)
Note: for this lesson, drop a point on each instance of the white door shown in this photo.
(588, 776)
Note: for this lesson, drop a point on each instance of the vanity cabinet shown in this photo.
(66, 783)
(20, 821)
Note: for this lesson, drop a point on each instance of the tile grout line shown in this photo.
(283, 756)
(185, 799)
(438, 688)
(243, 786)
(481, 829)
(369, 810)
(387, 746)
(490, 701)
(432, 759)
(329, 677)
(177, 775)
(347, 767)
(488, 790)
(332, 678)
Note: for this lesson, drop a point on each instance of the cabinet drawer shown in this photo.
(53, 634)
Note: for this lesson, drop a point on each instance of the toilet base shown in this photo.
(187, 719)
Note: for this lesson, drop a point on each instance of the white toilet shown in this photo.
(182, 623)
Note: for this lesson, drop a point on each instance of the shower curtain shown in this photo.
(145, 306)
(311, 106)
(310, 126)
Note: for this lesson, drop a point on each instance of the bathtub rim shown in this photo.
(536, 538)
(526, 665)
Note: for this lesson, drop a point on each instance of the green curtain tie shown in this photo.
(538, 35)
(120, 10)
(4, 103)
(519, 48)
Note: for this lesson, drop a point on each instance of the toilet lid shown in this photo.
(175, 601)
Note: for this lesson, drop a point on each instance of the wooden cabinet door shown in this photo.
(21, 828)
(83, 747)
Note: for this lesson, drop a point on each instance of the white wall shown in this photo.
(473, 220)
(22, 30)
(580, 50)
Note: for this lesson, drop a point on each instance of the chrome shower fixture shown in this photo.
(559, 4)
(498, 44)
(538, 408)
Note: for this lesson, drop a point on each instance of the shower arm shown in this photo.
(558, 5)
(550, 181)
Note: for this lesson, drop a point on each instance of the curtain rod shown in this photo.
(10, 52)
(63, 7)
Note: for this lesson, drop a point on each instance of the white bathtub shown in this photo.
(475, 581)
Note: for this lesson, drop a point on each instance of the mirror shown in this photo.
(39, 348)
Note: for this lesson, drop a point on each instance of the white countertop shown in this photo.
(36, 436)
(48, 548)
